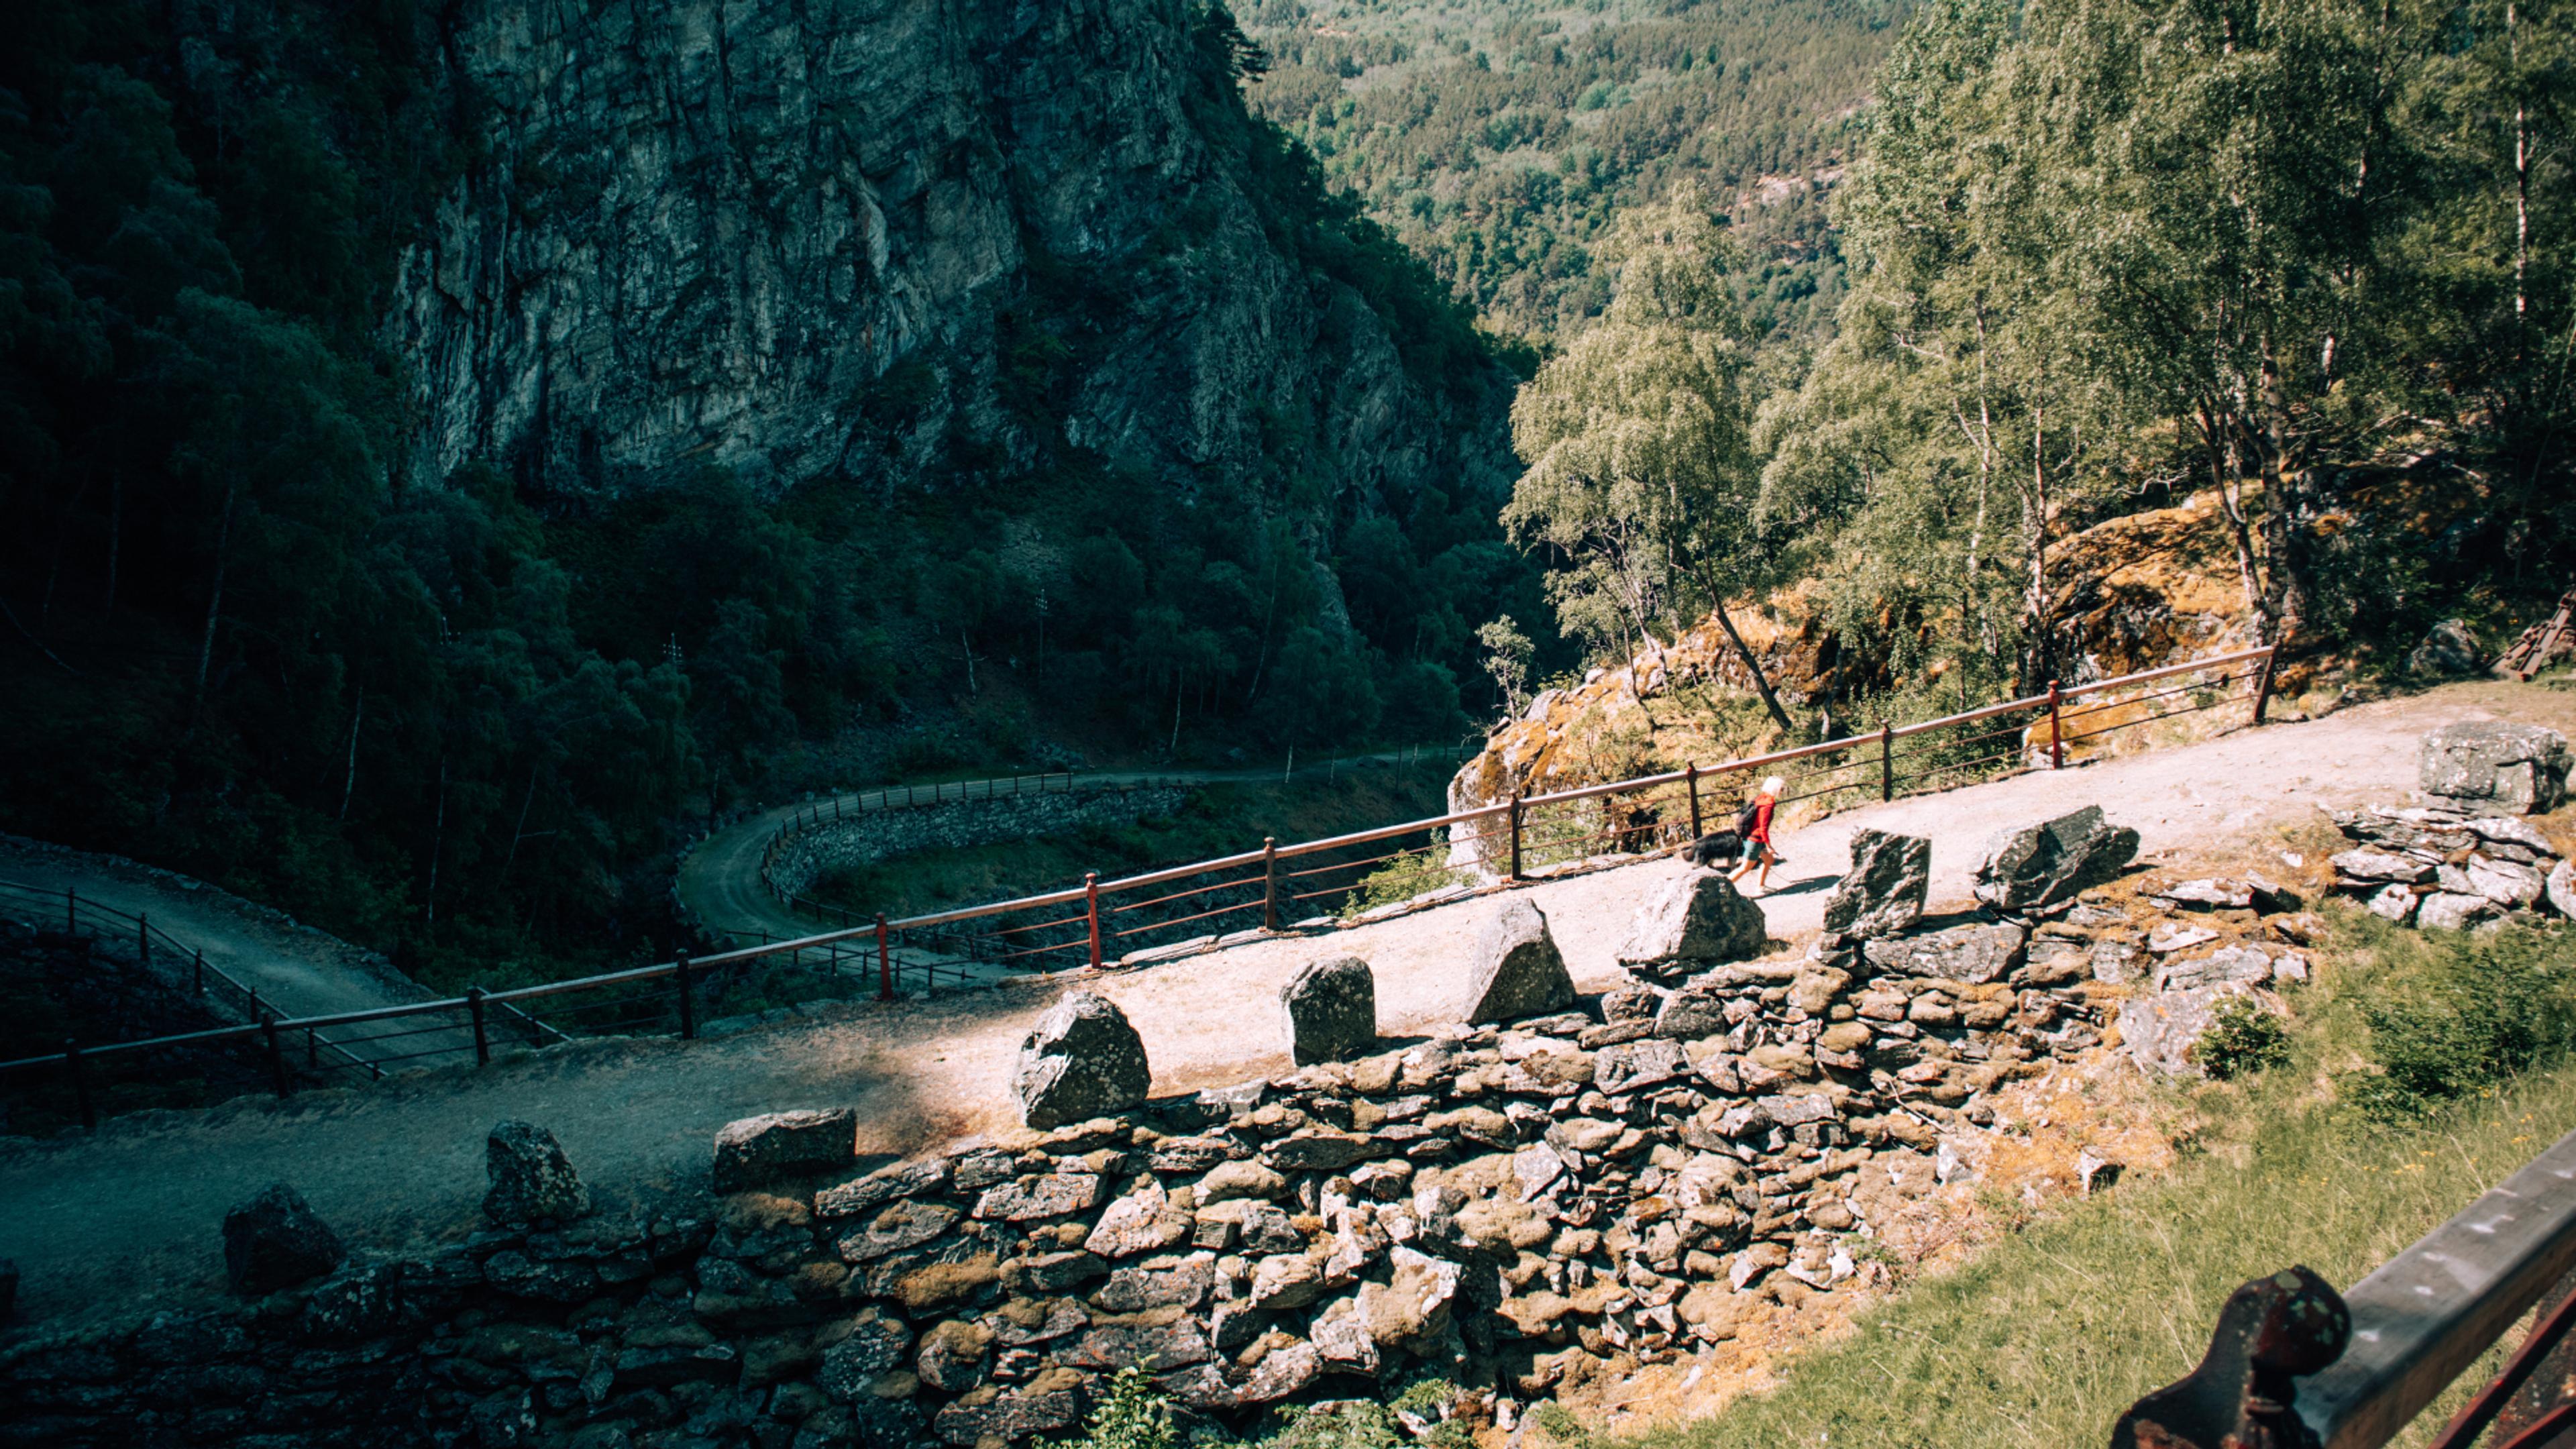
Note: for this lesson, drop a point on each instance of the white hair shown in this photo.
(1774, 785)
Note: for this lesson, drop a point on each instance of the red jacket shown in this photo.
(1763, 805)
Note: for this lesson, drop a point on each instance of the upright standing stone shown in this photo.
(274, 1241)
(1518, 971)
(1330, 1009)
(2042, 865)
(531, 1178)
(1695, 920)
(2516, 767)
(1083, 1061)
(1883, 892)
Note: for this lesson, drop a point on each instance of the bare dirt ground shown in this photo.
(128, 1219)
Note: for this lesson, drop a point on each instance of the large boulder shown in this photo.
(2516, 767)
(2449, 647)
(2044, 864)
(1693, 921)
(1883, 891)
(274, 1241)
(2160, 1031)
(757, 1150)
(1518, 971)
(530, 1176)
(1330, 1009)
(1083, 1061)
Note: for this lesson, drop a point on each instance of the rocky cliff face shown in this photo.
(840, 237)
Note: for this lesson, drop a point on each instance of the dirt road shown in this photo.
(130, 1217)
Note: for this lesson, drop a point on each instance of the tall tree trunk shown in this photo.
(1752, 666)
(2222, 471)
(2521, 173)
(214, 606)
(519, 831)
(437, 847)
(1179, 680)
(115, 534)
(349, 781)
(2285, 499)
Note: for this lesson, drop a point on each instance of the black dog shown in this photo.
(1719, 848)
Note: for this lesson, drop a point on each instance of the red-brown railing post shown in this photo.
(2263, 685)
(201, 970)
(1886, 760)
(276, 1052)
(2056, 745)
(80, 1084)
(885, 962)
(1690, 774)
(1516, 835)
(1269, 883)
(482, 1040)
(1091, 912)
(688, 1007)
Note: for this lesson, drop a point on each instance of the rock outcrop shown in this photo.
(1692, 922)
(275, 1241)
(1518, 971)
(1884, 890)
(2050, 863)
(1083, 1059)
(2494, 766)
(1330, 1011)
(841, 242)
(531, 1179)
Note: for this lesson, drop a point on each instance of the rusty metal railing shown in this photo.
(1098, 923)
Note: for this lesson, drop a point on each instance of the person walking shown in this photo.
(1755, 826)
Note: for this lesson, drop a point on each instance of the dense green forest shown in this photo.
(1501, 140)
(470, 721)
(2311, 257)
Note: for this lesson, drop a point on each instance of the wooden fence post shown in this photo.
(276, 1052)
(80, 1084)
(2056, 742)
(1516, 835)
(2263, 685)
(1270, 883)
(1091, 912)
(482, 1041)
(1690, 774)
(688, 1007)
(1886, 760)
(885, 962)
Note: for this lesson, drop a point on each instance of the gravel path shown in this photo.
(305, 971)
(128, 1218)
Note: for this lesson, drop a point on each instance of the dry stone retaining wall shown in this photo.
(871, 836)
(1502, 1206)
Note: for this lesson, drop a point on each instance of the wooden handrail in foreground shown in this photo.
(2294, 1363)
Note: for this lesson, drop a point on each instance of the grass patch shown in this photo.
(2049, 1334)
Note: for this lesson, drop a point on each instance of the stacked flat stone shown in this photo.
(2450, 867)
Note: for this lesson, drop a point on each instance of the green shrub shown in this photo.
(1132, 1416)
(1349, 1424)
(1411, 874)
(2471, 1012)
(2244, 1038)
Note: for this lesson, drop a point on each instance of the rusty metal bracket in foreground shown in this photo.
(2242, 1395)
(2295, 1366)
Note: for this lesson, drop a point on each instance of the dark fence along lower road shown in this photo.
(1270, 888)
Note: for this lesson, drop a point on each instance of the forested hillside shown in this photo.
(442, 462)
(1500, 140)
(2294, 277)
